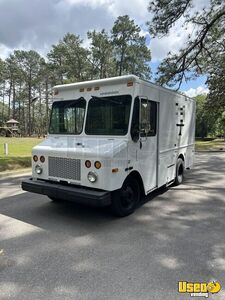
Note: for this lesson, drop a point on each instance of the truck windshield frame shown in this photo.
(108, 115)
(67, 117)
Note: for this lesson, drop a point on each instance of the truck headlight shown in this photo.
(38, 169)
(92, 177)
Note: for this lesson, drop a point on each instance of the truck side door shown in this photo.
(144, 133)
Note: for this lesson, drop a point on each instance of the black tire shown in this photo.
(124, 201)
(179, 172)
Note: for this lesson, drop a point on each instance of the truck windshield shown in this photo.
(108, 115)
(67, 117)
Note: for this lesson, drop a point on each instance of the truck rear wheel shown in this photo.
(179, 172)
(124, 201)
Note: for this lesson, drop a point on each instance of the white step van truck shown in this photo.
(111, 141)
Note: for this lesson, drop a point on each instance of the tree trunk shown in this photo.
(3, 104)
(29, 104)
(14, 101)
(10, 91)
(47, 105)
(121, 63)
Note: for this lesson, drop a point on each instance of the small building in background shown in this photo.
(12, 124)
(10, 129)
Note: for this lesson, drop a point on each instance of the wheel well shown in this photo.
(137, 176)
(181, 156)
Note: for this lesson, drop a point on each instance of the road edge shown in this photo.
(15, 173)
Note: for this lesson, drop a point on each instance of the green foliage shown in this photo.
(165, 14)
(131, 52)
(202, 117)
(75, 57)
(3, 113)
(25, 75)
(204, 47)
(19, 153)
(208, 122)
(209, 144)
(102, 62)
(14, 163)
(123, 52)
(18, 146)
(216, 79)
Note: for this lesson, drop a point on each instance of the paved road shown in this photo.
(64, 251)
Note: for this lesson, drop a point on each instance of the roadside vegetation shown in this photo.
(19, 155)
(209, 144)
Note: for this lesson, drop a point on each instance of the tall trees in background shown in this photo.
(131, 52)
(204, 50)
(203, 53)
(26, 78)
(101, 55)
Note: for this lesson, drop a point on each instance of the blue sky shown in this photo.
(199, 81)
(39, 24)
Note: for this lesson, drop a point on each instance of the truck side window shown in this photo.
(153, 118)
(150, 121)
(135, 121)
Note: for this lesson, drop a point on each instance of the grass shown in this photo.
(210, 145)
(19, 152)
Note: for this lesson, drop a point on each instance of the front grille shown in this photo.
(67, 168)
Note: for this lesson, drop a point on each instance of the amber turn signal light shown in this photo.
(35, 158)
(42, 159)
(98, 165)
(87, 163)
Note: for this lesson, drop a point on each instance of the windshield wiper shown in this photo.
(107, 99)
(72, 102)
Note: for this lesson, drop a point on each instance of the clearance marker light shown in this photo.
(81, 90)
(89, 89)
(115, 170)
(130, 83)
(97, 88)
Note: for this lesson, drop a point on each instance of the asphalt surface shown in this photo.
(66, 251)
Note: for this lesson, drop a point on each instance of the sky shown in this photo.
(38, 24)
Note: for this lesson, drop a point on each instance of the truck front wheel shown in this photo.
(124, 201)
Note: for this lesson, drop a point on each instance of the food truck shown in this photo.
(112, 140)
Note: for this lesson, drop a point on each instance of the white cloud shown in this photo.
(197, 91)
(135, 8)
(53, 18)
(177, 37)
(4, 51)
(171, 43)
(90, 3)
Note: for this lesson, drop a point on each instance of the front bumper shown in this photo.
(68, 192)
